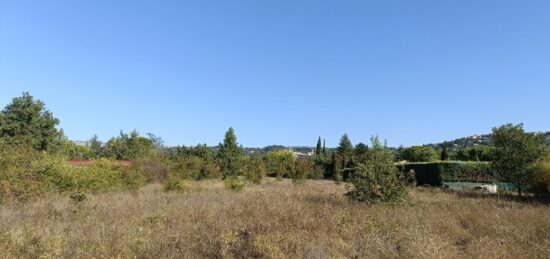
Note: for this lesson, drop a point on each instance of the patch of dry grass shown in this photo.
(275, 219)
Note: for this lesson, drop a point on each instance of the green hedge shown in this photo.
(435, 173)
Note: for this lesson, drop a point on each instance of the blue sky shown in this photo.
(280, 72)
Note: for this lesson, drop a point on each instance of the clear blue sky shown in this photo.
(280, 72)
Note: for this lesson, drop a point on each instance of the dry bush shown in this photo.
(272, 220)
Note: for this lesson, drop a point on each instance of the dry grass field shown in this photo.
(273, 220)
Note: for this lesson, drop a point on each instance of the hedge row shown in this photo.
(435, 173)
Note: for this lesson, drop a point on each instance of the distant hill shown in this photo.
(475, 140)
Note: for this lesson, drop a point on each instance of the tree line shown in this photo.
(25, 123)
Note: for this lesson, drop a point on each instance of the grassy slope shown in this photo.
(275, 219)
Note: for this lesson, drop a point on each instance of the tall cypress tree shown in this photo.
(324, 149)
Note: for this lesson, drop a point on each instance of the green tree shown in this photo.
(444, 153)
(361, 153)
(517, 154)
(377, 181)
(96, 147)
(255, 168)
(280, 162)
(345, 151)
(129, 147)
(318, 149)
(337, 167)
(27, 121)
(302, 170)
(230, 154)
(419, 154)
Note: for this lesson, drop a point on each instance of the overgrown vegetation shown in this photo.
(35, 153)
(276, 219)
(376, 181)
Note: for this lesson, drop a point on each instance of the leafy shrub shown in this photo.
(254, 169)
(302, 170)
(105, 175)
(435, 173)
(280, 163)
(234, 184)
(542, 178)
(27, 173)
(194, 167)
(174, 184)
(376, 181)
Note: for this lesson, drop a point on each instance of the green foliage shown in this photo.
(27, 173)
(319, 148)
(318, 171)
(377, 181)
(27, 121)
(302, 170)
(444, 154)
(476, 153)
(517, 154)
(419, 154)
(337, 162)
(174, 184)
(345, 151)
(96, 147)
(542, 178)
(194, 167)
(105, 175)
(230, 155)
(255, 168)
(234, 184)
(435, 173)
(129, 147)
(361, 153)
(280, 163)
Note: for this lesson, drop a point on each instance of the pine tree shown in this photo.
(27, 121)
(230, 155)
(345, 150)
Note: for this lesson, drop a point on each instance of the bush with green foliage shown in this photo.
(377, 181)
(302, 169)
(435, 173)
(230, 155)
(280, 163)
(174, 184)
(542, 178)
(27, 173)
(129, 147)
(254, 169)
(26, 121)
(476, 153)
(233, 184)
(419, 154)
(517, 155)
